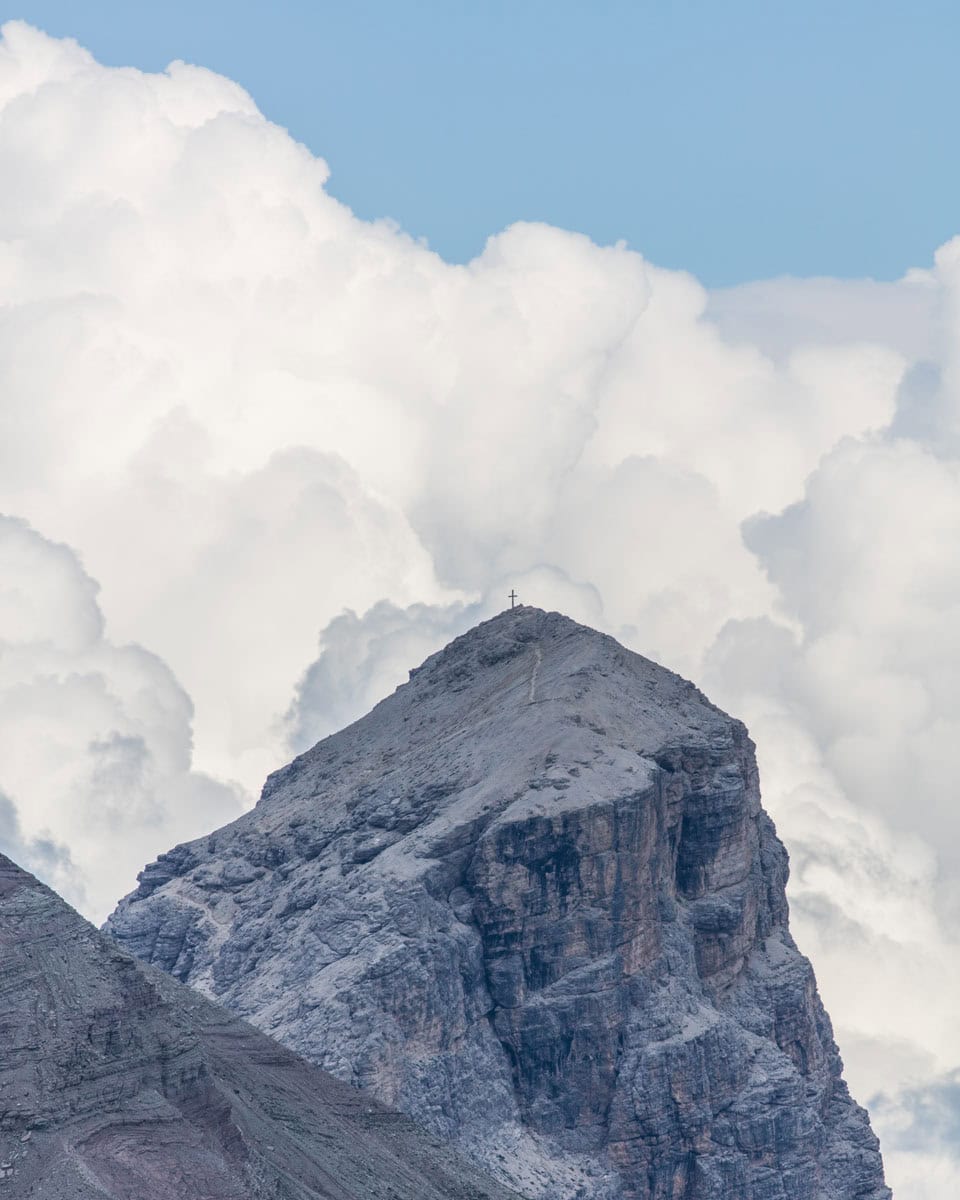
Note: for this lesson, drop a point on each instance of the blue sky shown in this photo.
(738, 140)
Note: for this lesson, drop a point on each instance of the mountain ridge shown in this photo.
(118, 1083)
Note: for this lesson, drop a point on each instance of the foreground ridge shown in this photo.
(533, 900)
(117, 1083)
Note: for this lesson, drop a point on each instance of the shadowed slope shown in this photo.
(117, 1083)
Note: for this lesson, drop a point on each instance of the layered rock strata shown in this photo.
(117, 1083)
(533, 900)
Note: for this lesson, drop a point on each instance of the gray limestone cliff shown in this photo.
(117, 1083)
(533, 900)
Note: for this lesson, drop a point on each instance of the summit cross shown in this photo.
(513, 598)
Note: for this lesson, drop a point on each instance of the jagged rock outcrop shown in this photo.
(117, 1083)
(533, 900)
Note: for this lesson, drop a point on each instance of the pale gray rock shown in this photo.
(117, 1083)
(532, 899)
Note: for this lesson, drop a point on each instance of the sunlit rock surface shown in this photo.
(116, 1083)
(533, 900)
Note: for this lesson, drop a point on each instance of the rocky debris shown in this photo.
(532, 899)
(117, 1083)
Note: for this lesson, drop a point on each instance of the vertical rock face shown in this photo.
(533, 900)
(117, 1083)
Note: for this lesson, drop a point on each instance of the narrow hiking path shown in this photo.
(537, 660)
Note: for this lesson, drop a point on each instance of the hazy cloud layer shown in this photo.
(297, 452)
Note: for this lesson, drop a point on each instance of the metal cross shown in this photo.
(513, 598)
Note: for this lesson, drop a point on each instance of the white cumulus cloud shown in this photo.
(95, 738)
(297, 452)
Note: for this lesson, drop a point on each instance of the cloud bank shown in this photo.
(258, 457)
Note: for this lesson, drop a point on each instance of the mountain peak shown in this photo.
(519, 633)
(509, 694)
(532, 898)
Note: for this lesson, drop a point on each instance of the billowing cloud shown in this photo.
(297, 452)
(46, 858)
(923, 1129)
(95, 739)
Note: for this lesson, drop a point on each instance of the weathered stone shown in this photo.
(117, 1083)
(533, 900)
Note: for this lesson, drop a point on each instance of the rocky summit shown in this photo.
(533, 900)
(117, 1083)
